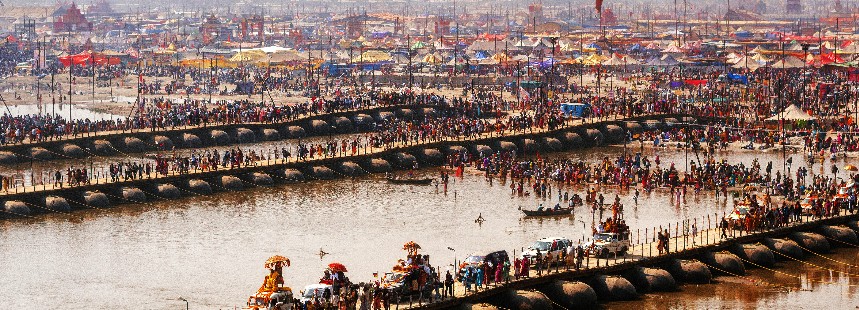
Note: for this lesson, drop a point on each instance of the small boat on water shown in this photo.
(410, 179)
(416, 181)
(548, 212)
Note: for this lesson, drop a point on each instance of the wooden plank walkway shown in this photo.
(363, 150)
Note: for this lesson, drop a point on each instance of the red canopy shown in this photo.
(85, 59)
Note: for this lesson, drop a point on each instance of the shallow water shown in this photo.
(211, 250)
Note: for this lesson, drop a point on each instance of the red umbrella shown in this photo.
(337, 267)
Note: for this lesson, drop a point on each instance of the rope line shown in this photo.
(17, 214)
(86, 205)
(129, 200)
(198, 194)
(45, 208)
(843, 242)
(752, 280)
(821, 267)
(795, 276)
(824, 257)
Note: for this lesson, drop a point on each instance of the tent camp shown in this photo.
(792, 113)
(788, 62)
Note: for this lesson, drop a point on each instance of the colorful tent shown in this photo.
(372, 56)
(248, 56)
(433, 59)
(86, 59)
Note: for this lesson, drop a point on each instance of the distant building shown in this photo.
(100, 9)
(535, 14)
(251, 28)
(793, 6)
(213, 30)
(72, 20)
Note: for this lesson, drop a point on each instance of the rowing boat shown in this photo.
(548, 212)
(424, 181)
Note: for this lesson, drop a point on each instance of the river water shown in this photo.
(210, 250)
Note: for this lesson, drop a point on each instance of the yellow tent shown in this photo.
(432, 59)
(594, 59)
(501, 57)
(372, 57)
(248, 56)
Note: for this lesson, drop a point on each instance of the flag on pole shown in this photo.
(598, 6)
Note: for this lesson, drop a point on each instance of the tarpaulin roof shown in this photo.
(792, 113)
(85, 59)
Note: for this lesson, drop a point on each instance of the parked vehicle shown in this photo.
(492, 260)
(606, 244)
(554, 245)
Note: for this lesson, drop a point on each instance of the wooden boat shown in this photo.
(415, 181)
(548, 212)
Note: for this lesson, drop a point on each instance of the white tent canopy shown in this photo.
(792, 113)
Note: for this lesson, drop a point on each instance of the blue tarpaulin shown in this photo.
(738, 78)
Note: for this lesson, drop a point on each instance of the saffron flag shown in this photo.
(598, 6)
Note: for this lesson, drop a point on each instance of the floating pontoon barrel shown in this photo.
(571, 294)
(650, 279)
(168, 191)
(40, 153)
(785, 247)
(102, 147)
(220, 137)
(270, 134)
(613, 288)
(689, 271)
(73, 151)
(244, 135)
(232, 183)
(163, 143)
(190, 140)
(96, 199)
(756, 253)
(811, 242)
(134, 145)
(726, 262)
(199, 187)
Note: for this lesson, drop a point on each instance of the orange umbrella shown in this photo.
(851, 168)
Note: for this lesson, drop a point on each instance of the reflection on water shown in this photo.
(210, 250)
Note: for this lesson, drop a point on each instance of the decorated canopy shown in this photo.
(337, 267)
(276, 260)
(411, 247)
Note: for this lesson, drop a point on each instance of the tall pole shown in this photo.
(409, 55)
(71, 66)
(456, 40)
(783, 135)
